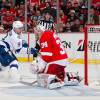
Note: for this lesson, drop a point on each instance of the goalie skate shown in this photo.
(49, 81)
(72, 79)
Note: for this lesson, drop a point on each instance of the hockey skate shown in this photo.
(0, 69)
(72, 79)
(14, 76)
(49, 81)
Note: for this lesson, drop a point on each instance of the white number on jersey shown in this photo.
(62, 51)
(44, 44)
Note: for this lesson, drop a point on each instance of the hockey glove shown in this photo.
(34, 51)
(24, 44)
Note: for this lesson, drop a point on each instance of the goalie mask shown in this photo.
(38, 65)
(38, 29)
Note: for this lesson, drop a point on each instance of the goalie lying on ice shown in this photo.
(52, 59)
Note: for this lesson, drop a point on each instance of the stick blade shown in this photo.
(28, 83)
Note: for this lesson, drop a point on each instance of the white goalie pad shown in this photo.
(48, 81)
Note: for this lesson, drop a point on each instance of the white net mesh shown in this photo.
(93, 54)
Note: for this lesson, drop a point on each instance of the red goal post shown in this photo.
(91, 32)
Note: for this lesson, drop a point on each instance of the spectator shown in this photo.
(67, 28)
(94, 17)
(76, 7)
(36, 7)
(7, 20)
(50, 9)
(63, 17)
(68, 7)
(83, 15)
(37, 16)
(71, 17)
(70, 10)
(63, 6)
(76, 26)
(47, 7)
(61, 27)
(18, 2)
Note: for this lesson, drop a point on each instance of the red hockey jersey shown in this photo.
(51, 48)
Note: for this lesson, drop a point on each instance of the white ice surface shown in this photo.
(23, 92)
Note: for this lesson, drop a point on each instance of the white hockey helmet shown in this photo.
(17, 24)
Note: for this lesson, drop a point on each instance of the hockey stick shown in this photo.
(28, 83)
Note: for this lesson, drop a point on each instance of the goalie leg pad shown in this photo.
(57, 70)
(48, 81)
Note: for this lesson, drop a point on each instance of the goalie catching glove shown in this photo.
(37, 66)
(33, 51)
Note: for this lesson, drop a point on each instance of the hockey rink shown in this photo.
(16, 91)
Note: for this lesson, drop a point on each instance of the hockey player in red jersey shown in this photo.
(52, 59)
(53, 53)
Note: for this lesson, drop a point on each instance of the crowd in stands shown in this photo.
(73, 14)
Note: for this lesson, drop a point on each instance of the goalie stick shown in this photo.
(51, 86)
(28, 83)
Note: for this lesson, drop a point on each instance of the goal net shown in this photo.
(92, 55)
(83, 51)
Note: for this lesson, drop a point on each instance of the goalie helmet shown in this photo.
(17, 24)
(40, 27)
